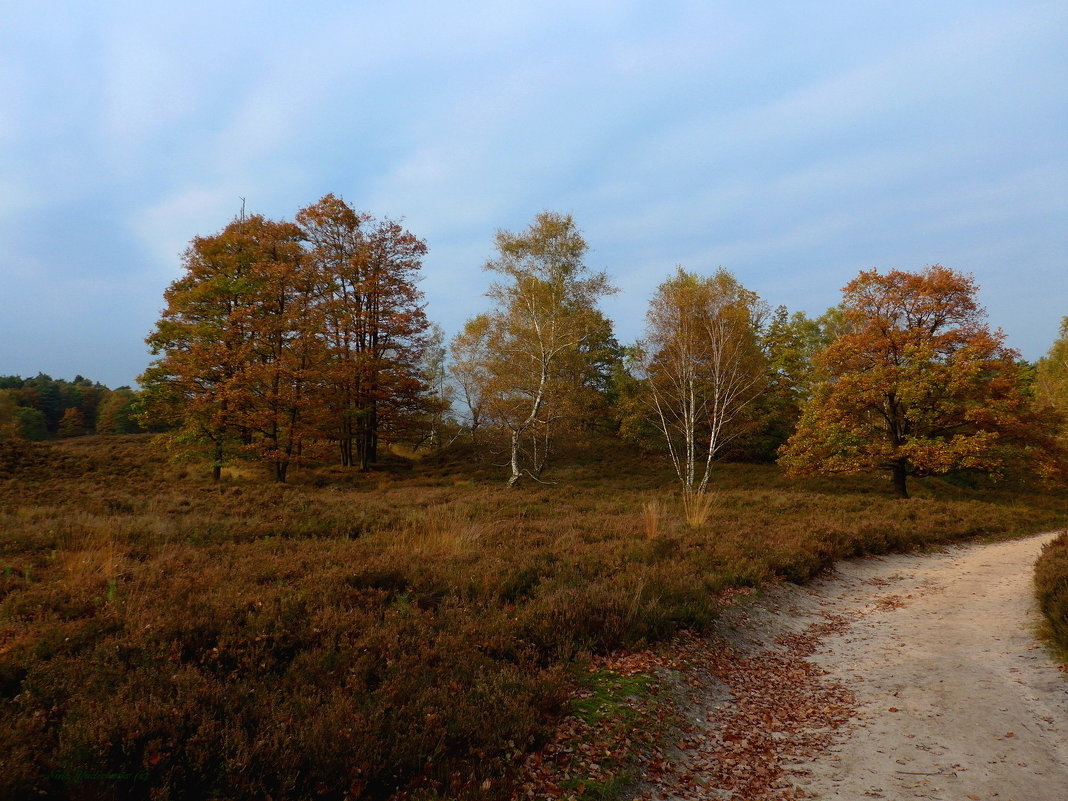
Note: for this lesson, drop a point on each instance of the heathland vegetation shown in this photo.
(414, 628)
(358, 561)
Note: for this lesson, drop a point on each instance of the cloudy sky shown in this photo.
(792, 143)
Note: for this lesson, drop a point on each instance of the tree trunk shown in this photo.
(899, 476)
(514, 478)
(216, 467)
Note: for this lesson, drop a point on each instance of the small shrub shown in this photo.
(1051, 582)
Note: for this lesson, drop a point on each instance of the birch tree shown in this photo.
(517, 356)
(702, 369)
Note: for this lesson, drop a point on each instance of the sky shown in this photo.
(791, 143)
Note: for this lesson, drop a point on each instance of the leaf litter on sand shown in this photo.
(738, 719)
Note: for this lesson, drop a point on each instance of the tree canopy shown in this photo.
(280, 337)
(916, 384)
(701, 369)
(1051, 379)
(531, 364)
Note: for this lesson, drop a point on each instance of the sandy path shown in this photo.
(955, 697)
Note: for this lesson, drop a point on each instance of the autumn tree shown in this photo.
(9, 422)
(373, 324)
(701, 370)
(72, 423)
(917, 384)
(1051, 379)
(116, 412)
(237, 345)
(522, 360)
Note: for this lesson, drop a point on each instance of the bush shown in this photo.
(1051, 582)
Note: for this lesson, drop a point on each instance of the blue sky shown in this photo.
(790, 143)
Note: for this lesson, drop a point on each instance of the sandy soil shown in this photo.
(954, 697)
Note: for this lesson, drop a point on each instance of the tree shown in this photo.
(280, 337)
(790, 343)
(115, 414)
(517, 365)
(916, 385)
(1051, 379)
(702, 369)
(30, 424)
(9, 421)
(469, 366)
(237, 345)
(373, 324)
(435, 374)
(72, 423)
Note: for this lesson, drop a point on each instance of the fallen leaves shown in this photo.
(782, 711)
(891, 602)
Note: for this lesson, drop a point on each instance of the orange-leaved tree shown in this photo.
(373, 325)
(238, 347)
(917, 385)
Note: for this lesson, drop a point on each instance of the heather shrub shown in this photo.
(370, 635)
(1051, 583)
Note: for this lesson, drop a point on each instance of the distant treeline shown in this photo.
(43, 407)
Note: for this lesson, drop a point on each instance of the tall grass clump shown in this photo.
(697, 506)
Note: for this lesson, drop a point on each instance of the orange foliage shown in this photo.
(917, 385)
(275, 347)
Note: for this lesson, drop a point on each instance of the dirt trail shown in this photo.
(955, 696)
(951, 694)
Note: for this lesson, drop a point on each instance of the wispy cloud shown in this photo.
(791, 143)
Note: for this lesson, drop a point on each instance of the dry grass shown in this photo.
(697, 507)
(653, 518)
(408, 630)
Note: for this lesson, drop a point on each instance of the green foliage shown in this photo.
(31, 424)
(606, 694)
(52, 399)
(1051, 380)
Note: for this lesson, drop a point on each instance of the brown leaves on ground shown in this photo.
(782, 711)
(892, 601)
